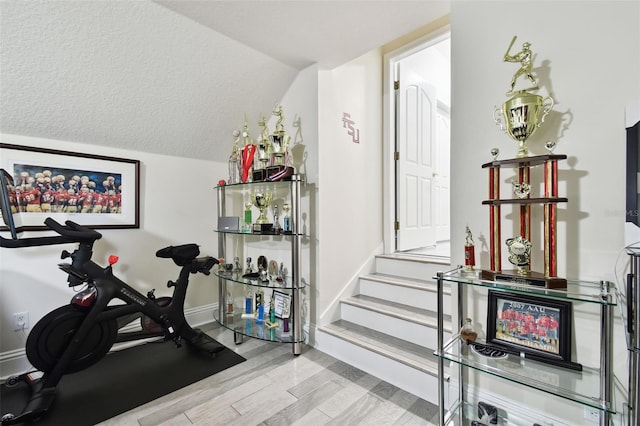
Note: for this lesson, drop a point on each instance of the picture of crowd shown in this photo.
(528, 325)
(56, 190)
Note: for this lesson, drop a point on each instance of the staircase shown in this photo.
(389, 328)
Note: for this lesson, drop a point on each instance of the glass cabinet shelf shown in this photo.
(259, 234)
(579, 386)
(464, 413)
(238, 278)
(251, 328)
(246, 184)
(579, 291)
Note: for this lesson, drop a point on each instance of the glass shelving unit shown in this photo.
(235, 283)
(591, 387)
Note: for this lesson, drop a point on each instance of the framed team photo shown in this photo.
(538, 327)
(92, 190)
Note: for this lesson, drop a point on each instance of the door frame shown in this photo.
(390, 60)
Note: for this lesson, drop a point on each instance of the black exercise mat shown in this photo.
(120, 382)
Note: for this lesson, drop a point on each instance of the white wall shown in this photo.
(177, 206)
(301, 104)
(588, 59)
(350, 183)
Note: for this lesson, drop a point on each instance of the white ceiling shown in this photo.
(175, 77)
(302, 32)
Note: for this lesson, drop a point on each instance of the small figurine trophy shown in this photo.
(469, 253)
(280, 140)
(247, 217)
(276, 220)
(234, 162)
(286, 219)
(229, 302)
(247, 153)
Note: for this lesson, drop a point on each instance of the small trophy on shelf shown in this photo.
(286, 220)
(248, 220)
(469, 254)
(247, 153)
(276, 220)
(264, 153)
(262, 200)
(280, 140)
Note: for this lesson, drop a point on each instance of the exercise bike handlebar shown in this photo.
(71, 232)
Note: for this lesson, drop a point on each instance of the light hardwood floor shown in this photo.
(274, 387)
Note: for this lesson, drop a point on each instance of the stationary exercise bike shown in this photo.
(78, 335)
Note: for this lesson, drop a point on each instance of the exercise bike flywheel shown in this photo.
(53, 333)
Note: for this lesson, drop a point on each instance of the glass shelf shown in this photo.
(463, 414)
(579, 386)
(245, 184)
(580, 291)
(260, 234)
(250, 327)
(238, 279)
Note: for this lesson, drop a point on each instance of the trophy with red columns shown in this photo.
(519, 117)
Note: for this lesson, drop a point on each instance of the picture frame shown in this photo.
(105, 192)
(534, 327)
(282, 303)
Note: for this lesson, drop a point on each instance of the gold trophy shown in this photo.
(279, 140)
(262, 200)
(524, 112)
(263, 152)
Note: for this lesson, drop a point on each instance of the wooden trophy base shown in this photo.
(535, 279)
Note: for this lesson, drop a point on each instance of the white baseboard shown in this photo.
(15, 362)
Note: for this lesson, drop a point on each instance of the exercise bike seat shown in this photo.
(181, 255)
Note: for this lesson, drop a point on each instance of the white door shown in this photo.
(443, 228)
(415, 173)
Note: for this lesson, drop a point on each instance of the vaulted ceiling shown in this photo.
(175, 77)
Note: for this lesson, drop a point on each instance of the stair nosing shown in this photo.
(413, 283)
(428, 366)
(364, 304)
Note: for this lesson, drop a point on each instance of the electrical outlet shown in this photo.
(20, 321)
(592, 414)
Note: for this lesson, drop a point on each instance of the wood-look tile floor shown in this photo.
(275, 387)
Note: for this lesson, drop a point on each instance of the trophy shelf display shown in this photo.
(519, 246)
(254, 319)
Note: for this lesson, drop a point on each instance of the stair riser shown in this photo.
(409, 269)
(406, 330)
(416, 298)
(398, 374)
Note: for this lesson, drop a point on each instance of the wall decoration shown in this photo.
(92, 190)
(348, 123)
(534, 327)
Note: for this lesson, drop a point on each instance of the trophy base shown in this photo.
(532, 278)
(262, 227)
(259, 175)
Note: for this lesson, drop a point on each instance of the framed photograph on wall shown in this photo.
(92, 190)
(536, 327)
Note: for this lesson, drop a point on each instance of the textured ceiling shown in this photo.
(174, 77)
(302, 32)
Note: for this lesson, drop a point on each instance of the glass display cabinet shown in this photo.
(589, 387)
(260, 298)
